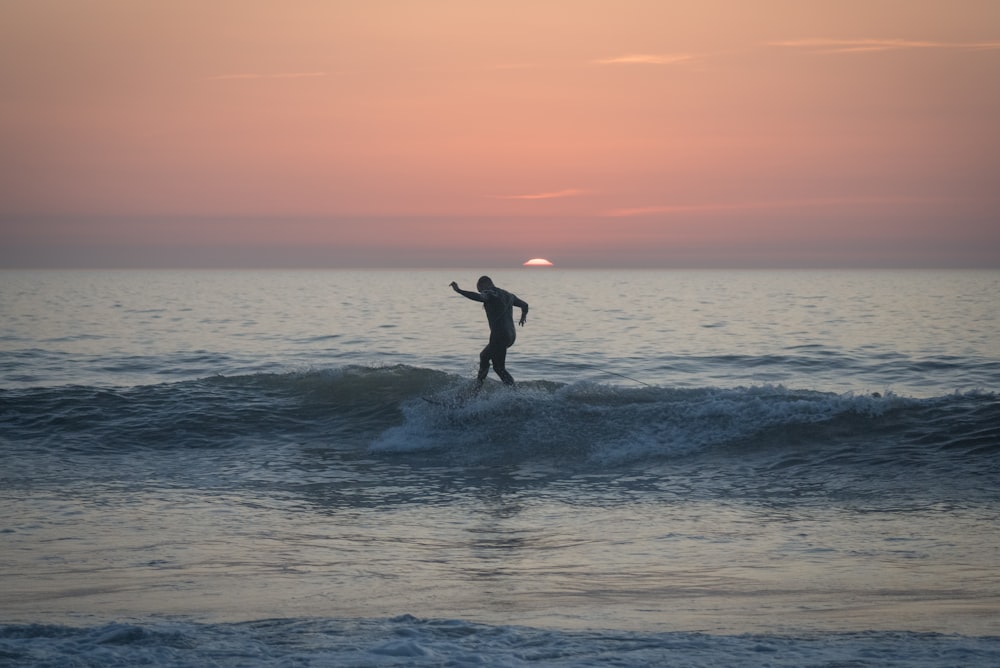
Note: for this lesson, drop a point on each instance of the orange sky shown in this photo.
(467, 133)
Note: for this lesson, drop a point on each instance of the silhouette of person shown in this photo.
(499, 305)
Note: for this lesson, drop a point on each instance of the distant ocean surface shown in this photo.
(697, 468)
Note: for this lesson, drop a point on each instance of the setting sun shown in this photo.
(538, 262)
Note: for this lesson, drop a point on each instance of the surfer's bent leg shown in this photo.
(500, 358)
(484, 363)
(495, 352)
(500, 365)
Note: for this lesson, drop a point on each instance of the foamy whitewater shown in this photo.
(709, 468)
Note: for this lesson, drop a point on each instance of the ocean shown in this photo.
(696, 468)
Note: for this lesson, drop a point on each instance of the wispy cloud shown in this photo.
(569, 192)
(647, 59)
(279, 75)
(762, 205)
(824, 45)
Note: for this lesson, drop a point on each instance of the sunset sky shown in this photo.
(446, 133)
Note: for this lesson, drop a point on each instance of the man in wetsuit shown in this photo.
(499, 305)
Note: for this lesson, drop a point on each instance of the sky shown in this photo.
(464, 133)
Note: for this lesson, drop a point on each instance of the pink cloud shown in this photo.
(647, 59)
(825, 45)
(569, 192)
(745, 206)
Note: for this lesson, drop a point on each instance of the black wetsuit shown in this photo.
(499, 305)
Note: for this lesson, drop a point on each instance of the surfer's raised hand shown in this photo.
(454, 286)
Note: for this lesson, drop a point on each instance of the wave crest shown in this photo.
(402, 409)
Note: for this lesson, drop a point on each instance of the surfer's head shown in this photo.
(484, 283)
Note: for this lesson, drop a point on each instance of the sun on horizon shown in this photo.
(537, 262)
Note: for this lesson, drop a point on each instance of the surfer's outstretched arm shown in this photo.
(523, 305)
(474, 296)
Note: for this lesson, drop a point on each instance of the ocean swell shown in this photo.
(404, 410)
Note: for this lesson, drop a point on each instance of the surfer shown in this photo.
(499, 305)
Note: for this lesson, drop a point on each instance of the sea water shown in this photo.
(241, 468)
